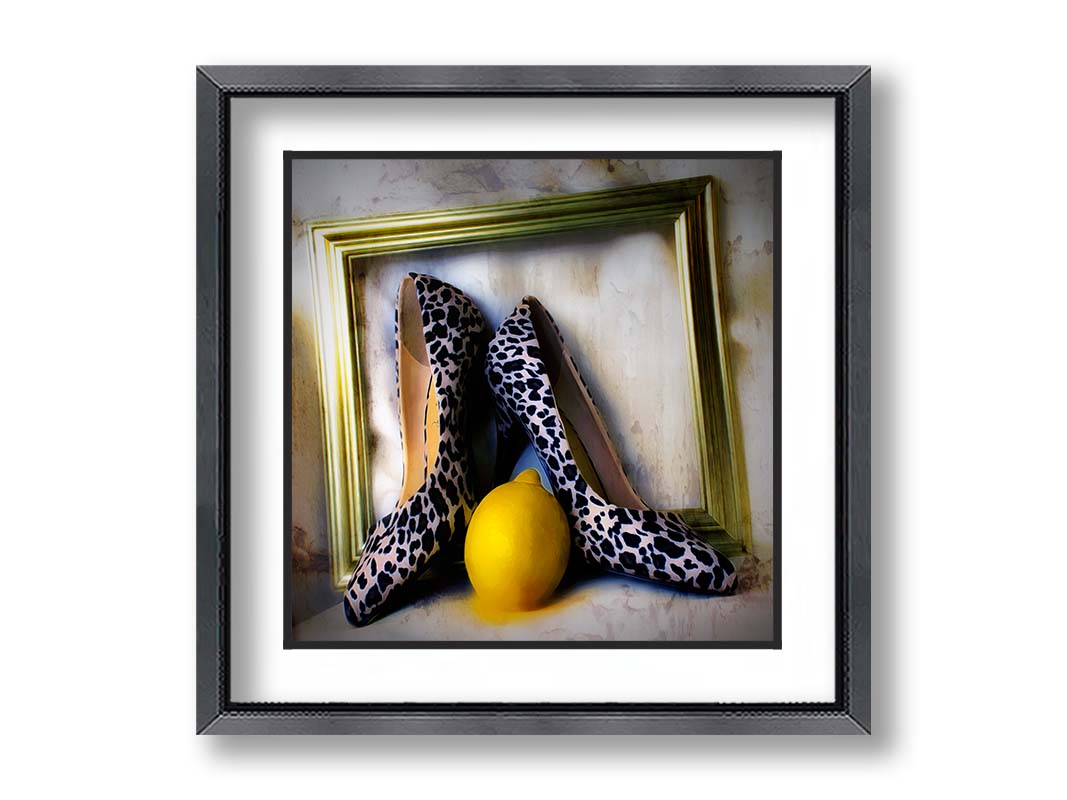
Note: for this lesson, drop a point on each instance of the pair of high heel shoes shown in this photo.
(540, 397)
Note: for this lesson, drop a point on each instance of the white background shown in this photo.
(98, 415)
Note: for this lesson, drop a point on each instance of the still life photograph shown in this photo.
(532, 400)
(520, 385)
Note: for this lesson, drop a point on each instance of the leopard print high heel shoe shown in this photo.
(538, 389)
(438, 332)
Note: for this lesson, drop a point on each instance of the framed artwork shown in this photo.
(633, 273)
(551, 380)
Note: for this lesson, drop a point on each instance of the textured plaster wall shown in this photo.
(356, 188)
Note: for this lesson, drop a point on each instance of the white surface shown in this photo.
(968, 200)
(804, 130)
(604, 609)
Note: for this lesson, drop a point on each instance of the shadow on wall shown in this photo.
(312, 589)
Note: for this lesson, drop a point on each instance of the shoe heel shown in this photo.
(511, 440)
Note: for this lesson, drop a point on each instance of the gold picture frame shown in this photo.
(689, 204)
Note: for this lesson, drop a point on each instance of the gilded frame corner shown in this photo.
(688, 204)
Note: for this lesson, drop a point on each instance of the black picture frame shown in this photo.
(849, 712)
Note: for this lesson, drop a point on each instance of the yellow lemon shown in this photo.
(517, 545)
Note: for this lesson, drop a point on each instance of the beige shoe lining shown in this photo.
(586, 434)
(419, 413)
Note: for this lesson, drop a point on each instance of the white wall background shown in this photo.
(98, 416)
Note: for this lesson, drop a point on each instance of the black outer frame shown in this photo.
(850, 712)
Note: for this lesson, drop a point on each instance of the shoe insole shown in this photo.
(588, 438)
(584, 428)
(581, 458)
(420, 423)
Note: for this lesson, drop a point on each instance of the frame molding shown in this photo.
(335, 245)
(850, 712)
